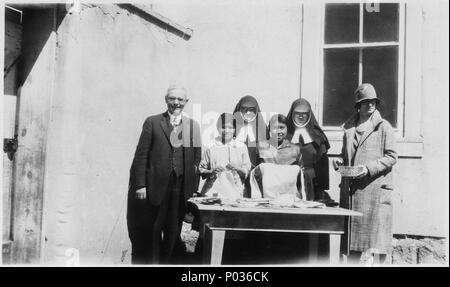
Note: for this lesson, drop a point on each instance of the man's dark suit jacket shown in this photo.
(152, 163)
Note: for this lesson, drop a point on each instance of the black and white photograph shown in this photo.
(225, 133)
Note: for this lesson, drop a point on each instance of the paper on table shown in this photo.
(284, 200)
(263, 200)
(309, 204)
(281, 201)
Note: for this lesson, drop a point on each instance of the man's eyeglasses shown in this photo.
(173, 99)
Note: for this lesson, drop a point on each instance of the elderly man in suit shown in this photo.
(163, 175)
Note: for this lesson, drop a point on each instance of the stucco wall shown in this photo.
(240, 48)
(430, 186)
(112, 71)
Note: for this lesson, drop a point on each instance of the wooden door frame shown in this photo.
(34, 100)
(11, 22)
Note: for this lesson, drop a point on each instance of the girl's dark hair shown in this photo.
(225, 118)
(280, 118)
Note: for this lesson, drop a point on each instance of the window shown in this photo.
(362, 43)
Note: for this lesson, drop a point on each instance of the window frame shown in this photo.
(336, 131)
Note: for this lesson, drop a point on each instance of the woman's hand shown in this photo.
(363, 173)
(212, 174)
(337, 162)
(218, 169)
(237, 169)
(231, 167)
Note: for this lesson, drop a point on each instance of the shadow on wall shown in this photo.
(34, 29)
(33, 42)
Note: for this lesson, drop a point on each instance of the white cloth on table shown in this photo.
(279, 182)
(227, 184)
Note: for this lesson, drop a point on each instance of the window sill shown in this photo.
(407, 147)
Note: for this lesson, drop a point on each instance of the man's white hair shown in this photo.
(176, 87)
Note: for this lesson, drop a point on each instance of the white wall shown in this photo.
(239, 48)
(112, 72)
(430, 190)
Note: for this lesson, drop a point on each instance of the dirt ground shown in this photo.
(418, 250)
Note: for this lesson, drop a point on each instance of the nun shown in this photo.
(250, 126)
(303, 129)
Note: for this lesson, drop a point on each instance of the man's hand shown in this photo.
(363, 173)
(337, 162)
(188, 217)
(141, 193)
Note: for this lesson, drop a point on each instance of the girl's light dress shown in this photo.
(228, 184)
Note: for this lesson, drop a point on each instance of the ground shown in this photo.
(418, 250)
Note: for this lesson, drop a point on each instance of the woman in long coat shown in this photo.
(368, 144)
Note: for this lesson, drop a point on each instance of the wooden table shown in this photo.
(217, 219)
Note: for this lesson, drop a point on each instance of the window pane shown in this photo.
(380, 68)
(340, 81)
(341, 23)
(381, 25)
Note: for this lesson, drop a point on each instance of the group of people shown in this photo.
(246, 148)
(247, 159)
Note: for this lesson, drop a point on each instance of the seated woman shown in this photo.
(271, 180)
(280, 170)
(226, 163)
(278, 149)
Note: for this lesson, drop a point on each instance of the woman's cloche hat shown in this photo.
(364, 92)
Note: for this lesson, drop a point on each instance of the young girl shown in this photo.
(226, 163)
(280, 171)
